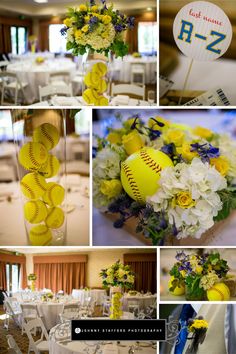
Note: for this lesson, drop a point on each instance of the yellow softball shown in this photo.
(35, 211)
(32, 156)
(91, 79)
(101, 86)
(219, 292)
(54, 194)
(90, 96)
(55, 218)
(102, 101)
(40, 235)
(100, 69)
(33, 186)
(140, 173)
(50, 168)
(179, 290)
(46, 134)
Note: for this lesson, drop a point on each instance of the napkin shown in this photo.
(110, 349)
(122, 100)
(64, 101)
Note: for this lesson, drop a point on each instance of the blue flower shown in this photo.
(118, 28)
(180, 256)
(130, 22)
(93, 20)
(205, 151)
(168, 149)
(64, 31)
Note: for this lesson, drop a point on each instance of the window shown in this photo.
(5, 126)
(82, 122)
(147, 38)
(18, 40)
(13, 277)
(57, 42)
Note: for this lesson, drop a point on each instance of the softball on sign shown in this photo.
(140, 173)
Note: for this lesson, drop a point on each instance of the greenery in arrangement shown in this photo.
(98, 28)
(197, 273)
(32, 276)
(118, 275)
(194, 191)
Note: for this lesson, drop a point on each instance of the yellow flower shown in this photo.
(183, 200)
(175, 136)
(153, 125)
(185, 151)
(86, 19)
(128, 123)
(111, 188)
(106, 19)
(221, 165)
(94, 8)
(68, 22)
(85, 28)
(198, 324)
(114, 138)
(183, 273)
(132, 142)
(203, 132)
(83, 8)
(78, 34)
(199, 269)
(105, 35)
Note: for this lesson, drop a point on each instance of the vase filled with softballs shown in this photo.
(40, 141)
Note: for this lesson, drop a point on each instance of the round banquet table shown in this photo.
(65, 346)
(82, 295)
(124, 67)
(32, 56)
(14, 233)
(144, 300)
(36, 75)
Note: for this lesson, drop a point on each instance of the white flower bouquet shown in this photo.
(173, 179)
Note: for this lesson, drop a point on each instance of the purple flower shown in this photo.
(168, 149)
(205, 151)
(180, 256)
(130, 22)
(64, 31)
(93, 20)
(118, 28)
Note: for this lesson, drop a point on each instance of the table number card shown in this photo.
(202, 31)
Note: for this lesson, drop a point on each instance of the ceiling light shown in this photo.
(149, 8)
(41, 1)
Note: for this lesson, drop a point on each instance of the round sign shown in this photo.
(202, 31)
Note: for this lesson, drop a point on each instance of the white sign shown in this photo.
(202, 31)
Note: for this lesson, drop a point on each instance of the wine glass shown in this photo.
(151, 97)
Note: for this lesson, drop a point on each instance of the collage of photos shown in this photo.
(117, 177)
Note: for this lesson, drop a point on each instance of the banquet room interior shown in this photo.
(205, 75)
(53, 286)
(33, 53)
(72, 155)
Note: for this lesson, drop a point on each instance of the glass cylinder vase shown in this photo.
(116, 309)
(96, 79)
(40, 141)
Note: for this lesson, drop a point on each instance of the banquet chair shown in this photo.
(59, 78)
(128, 89)
(88, 307)
(133, 307)
(70, 312)
(12, 311)
(3, 65)
(138, 71)
(50, 90)
(106, 304)
(29, 312)
(13, 345)
(10, 82)
(40, 345)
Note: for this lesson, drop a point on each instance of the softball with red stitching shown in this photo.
(140, 173)
(33, 186)
(46, 134)
(32, 156)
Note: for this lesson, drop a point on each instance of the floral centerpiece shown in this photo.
(32, 277)
(199, 277)
(137, 55)
(39, 60)
(172, 179)
(33, 42)
(117, 275)
(197, 327)
(98, 28)
(47, 296)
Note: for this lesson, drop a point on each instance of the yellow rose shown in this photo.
(203, 132)
(175, 136)
(183, 200)
(132, 142)
(183, 273)
(83, 8)
(105, 35)
(185, 151)
(68, 22)
(129, 122)
(153, 125)
(106, 19)
(85, 28)
(94, 8)
(111, 188)
(86, 19)
(114, 138)
(199, 269)
(197, 324)
(221, 165)
(78, 34)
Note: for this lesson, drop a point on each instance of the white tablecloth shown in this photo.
(96, 295)
(32, 56)
(36, 75)
(12, 231)
(143, 300)
(206, 76)
(125, 68)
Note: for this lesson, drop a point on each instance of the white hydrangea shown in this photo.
(101, 38)
(227, 148)
(202, 182)
(70, 35)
